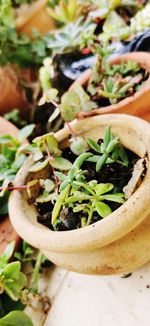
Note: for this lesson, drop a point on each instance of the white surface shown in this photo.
(83, 300)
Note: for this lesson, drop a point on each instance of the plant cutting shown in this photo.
(113, 90)
(108, 215)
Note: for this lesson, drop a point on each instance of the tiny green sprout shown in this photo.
(67, 181)
(74, 172)
(110, 150)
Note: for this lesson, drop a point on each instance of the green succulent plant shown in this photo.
(71, 37)
(12, 280)
(66, 11)
(90, 195)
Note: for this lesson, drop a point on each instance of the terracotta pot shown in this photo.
(138, 104)
(12, 95)
(35, 17)
(7, 232)
(116, 244)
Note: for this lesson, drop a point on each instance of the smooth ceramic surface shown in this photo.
(83, 300)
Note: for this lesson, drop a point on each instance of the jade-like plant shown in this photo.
(65, 185)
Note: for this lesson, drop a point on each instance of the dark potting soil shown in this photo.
(114, 173)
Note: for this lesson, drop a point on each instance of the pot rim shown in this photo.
(101, 233)
(143, 59)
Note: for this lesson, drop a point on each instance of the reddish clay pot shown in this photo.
(36, 16)
(138, 104)
(7, 232)
(12, 94)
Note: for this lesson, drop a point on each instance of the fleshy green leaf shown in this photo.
(49, 185)
(7, 139)
(47, 142)
(60, 176)
(107, 136)
(103, 188)
(16, 318)
(12, 270)
(78, 145)
(103, 209)
(61, 163)
(70, 105)
(13, 289)
(118, 197)
(84, 98)
(80, 160)
(101, 162)
(8, 252)
(39, 166)
(94, 145)
(26, 132)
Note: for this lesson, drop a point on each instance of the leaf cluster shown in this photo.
(71, 37)
(66, 11)
(12, 280)
(20, 50)
(73, 102)
(48, 144)
(11, 159)
(89, 196)
(114, 82)
(109, 151)
(82, 196)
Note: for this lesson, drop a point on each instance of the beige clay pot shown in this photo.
(35, 16)
(7, 232)
(138, 104)
(116, 244)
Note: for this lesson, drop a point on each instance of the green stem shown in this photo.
(90, 215)
(35, 275)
